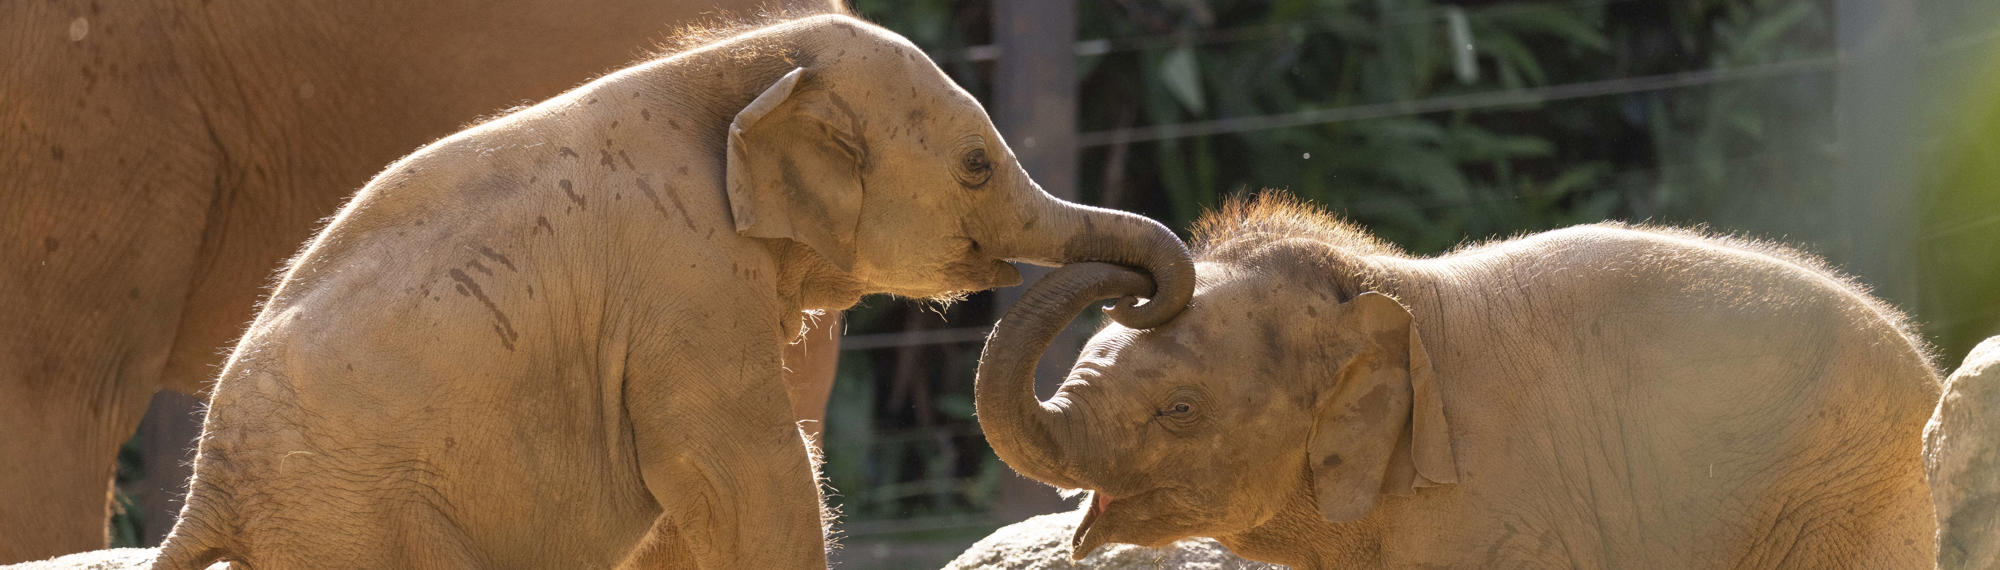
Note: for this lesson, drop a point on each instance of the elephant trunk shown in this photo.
(1031, 436)
(1080, 233)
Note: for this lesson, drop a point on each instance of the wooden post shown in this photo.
(1034, 105)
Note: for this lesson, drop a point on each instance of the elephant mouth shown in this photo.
(1093, 509)
(1146, 518)
(1003, 274)
(981, 273)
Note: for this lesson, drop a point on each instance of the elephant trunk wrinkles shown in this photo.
(1085, 233)
(1029, 435)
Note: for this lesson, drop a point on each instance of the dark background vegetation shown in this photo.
(1439, 123)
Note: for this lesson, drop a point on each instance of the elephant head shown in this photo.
(868, 155)
(1267, 393)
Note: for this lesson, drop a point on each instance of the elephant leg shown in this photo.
(64, 412)
(58, 471)
(96, 277)
(810, 366)
(720, 451)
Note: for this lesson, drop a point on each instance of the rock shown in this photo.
(1042, 543)
(1962, 453)
(109, 559)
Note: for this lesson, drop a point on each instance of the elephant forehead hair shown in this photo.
(1276, 235)
(1245, 223)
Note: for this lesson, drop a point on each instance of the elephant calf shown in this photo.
(1592, 397)
(553, 339)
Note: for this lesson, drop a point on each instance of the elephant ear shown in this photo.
(1379, 422)
(794, 163)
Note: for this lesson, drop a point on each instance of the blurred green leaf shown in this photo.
(1182, 77)
(1563, 23)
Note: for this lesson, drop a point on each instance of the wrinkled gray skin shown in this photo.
(553, 340)
(1042, 543)
(1962, 450)
(1586, 397)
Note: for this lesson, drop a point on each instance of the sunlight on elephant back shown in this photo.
(1042, 543)
(108, 559)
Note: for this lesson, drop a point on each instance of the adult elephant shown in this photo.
(162, 157)
(1591, 397)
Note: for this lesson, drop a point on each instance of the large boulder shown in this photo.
(1042, 543)
(1962, 453)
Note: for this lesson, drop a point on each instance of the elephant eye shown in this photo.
(973, 168)
(975, 161)
(1183, 410)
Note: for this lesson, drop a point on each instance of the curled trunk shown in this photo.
(1084, 233)
(1029, 435)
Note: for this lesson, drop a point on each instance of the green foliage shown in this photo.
(1957, 251)
(127, 519)
(1738, 152)
(1466, 168)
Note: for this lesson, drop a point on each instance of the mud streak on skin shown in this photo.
(501, 259)
(678, 206)
(566, 188)
(504, 327)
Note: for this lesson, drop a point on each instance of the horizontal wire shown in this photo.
(1466, 102)
(1102, 46)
